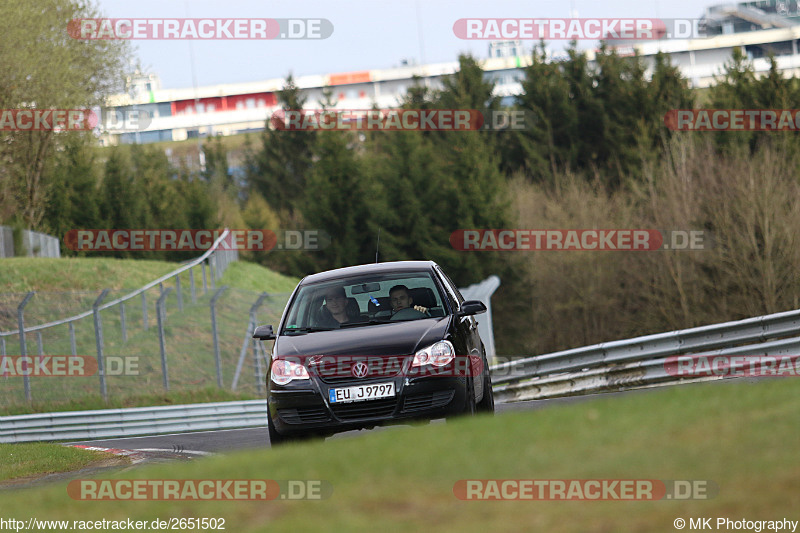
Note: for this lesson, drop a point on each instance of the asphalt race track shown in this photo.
(186, 445)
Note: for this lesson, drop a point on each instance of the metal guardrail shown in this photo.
(641, 362)
(82, 425)
(635, 363)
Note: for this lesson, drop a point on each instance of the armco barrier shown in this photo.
(641, 362)
(106, 423)
(608, 367)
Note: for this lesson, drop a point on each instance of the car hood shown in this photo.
(394, 338)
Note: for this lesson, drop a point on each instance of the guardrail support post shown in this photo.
(72, 339)
(205, 278)
(3, 354)
(122, 322)
(98, 337)
(251, 326)
(144, 310)
(40, 344)
(212, 264)
(214, 335)
(161, 343)
(162, 303)
(178, 290)
(23, 348)
(191, 285)
(256, 360)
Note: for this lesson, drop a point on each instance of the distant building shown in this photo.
(505, 48)
(757, 27)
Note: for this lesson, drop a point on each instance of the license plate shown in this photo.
(361, 393)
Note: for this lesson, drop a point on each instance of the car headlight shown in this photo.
(283, 371)
(438, 354)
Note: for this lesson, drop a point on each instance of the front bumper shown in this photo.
(302, 407)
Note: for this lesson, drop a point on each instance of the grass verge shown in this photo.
(188, 339)
(26, 460)
(740, 435)
(22, 274)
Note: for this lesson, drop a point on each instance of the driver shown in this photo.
(401, 299)
(334, 312)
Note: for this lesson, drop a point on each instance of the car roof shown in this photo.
(370, 268)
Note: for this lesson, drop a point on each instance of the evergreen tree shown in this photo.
(74, 199)
(279, 170)
(335, 201)
(472, 190)
(123, 199)
(549, 142)
(406, 173)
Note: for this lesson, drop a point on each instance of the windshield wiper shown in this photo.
(307, 329)
(365, 322)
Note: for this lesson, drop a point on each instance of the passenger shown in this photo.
(401, 299)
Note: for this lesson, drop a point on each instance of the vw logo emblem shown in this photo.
(360, 369)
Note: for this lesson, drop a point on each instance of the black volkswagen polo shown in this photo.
(373, 344)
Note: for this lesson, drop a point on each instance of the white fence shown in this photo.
(34, 244)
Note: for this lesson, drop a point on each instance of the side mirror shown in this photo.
(472, 307)
(264, 333)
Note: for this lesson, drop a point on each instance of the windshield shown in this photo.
(364, 300)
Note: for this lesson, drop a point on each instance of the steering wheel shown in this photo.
(407, 314)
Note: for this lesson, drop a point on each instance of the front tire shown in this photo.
(470, 407)
(486, 405)
(275, 438)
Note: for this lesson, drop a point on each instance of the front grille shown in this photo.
(430, 400)
(365, 409)
(338, 369)
(304, 415)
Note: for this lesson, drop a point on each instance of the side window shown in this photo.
(452, 292)
(298, 318)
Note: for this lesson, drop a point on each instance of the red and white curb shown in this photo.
(134, 455)
(140, 455)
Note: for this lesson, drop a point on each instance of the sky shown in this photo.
(367, 34)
